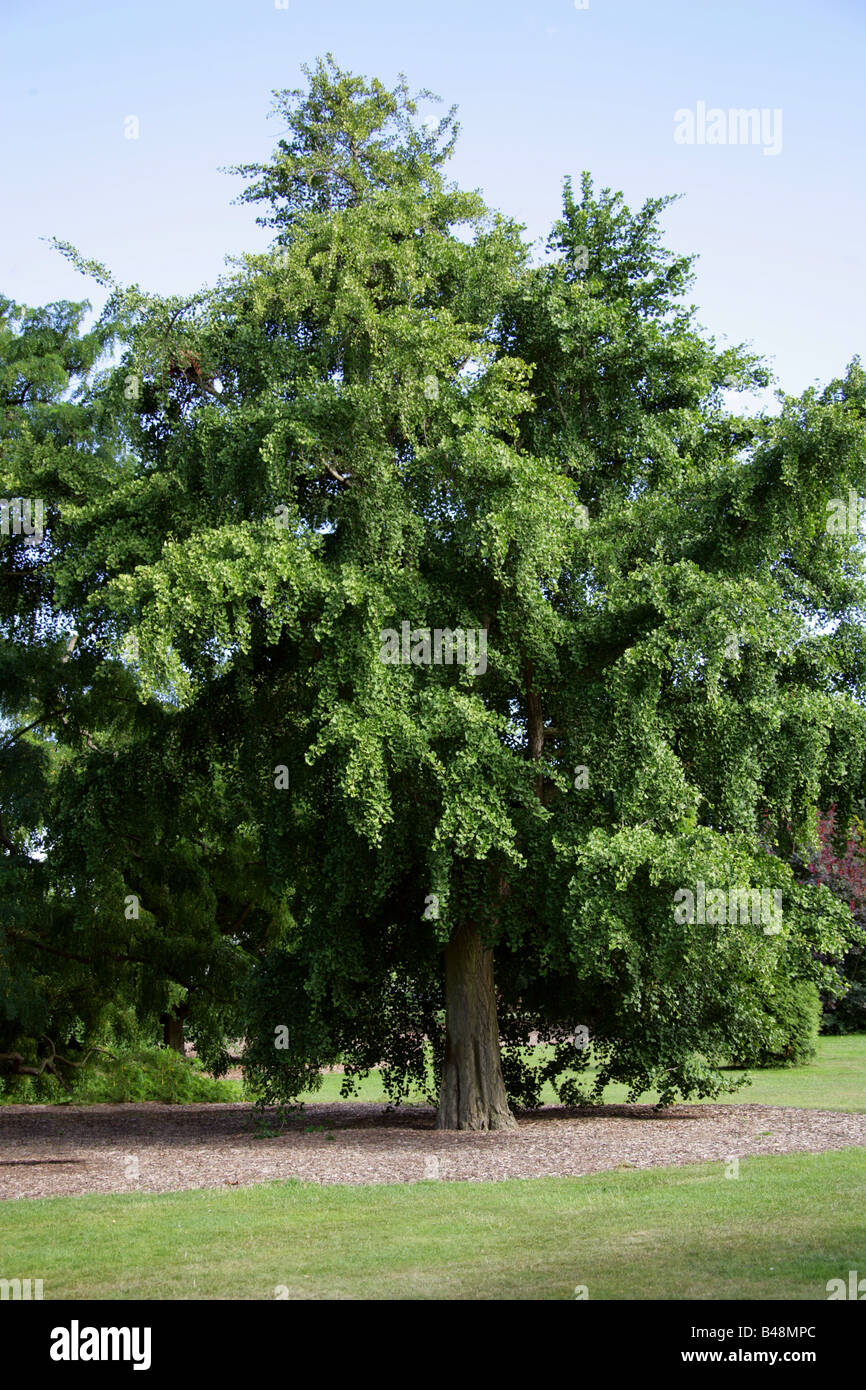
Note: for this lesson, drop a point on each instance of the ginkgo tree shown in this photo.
(470, 632)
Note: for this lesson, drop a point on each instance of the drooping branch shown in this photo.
(126, 959)
(49, 1063)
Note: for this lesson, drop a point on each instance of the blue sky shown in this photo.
(544, 90)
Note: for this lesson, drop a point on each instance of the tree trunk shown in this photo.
(172, 1031)
(473, 1091)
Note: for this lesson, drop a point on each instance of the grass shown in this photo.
(835, 1080)
(780, 1231)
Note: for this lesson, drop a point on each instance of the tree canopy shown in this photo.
(441, 635)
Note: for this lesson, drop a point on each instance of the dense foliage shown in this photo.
(840, 865)
(238, 798)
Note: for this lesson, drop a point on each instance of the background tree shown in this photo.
(49, 445)
(840, 865)
(118, 884)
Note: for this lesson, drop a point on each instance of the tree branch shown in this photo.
(17, 733)
(49, 1063)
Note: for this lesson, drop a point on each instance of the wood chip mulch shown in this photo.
(54, 1151)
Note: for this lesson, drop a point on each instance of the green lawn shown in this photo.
(780, 1231)
(836, 1080)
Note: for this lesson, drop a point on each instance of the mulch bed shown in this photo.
(53, 1151)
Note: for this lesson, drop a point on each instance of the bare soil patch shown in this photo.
(50, 1151)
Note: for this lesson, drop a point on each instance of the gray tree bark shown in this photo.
(472, 1095)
